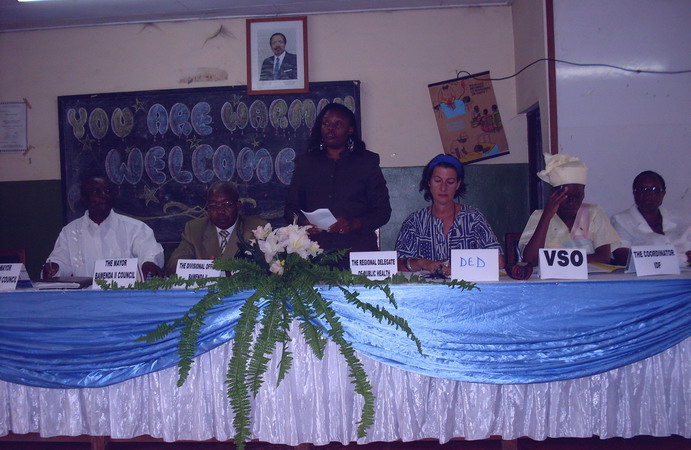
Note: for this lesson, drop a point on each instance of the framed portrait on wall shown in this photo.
(277, 55)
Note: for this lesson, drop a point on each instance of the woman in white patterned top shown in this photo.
(427, 236)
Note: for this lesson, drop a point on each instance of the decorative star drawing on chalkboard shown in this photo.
(87, 142)
(139, 106)
(194, 141)
(149, 195)
(255, 143)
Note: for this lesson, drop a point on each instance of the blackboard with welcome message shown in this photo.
(162, 149)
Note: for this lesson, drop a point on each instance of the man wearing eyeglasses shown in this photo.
(648, 223)
(101, 233)
(216, 234)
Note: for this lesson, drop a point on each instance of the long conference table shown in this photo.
(607, 357)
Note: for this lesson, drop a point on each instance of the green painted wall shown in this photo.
(499, 191)
(31, 219)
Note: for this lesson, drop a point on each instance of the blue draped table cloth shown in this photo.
(537, 359)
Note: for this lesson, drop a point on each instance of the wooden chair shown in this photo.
(13, 255)
(511, 248)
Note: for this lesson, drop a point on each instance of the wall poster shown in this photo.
(13, 129)
(162, 149)
(468, 118)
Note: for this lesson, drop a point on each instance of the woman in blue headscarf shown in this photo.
(427, 236)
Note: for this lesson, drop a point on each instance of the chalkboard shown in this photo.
(162, 149)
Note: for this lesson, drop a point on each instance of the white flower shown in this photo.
(277, 267)
(298, 242)
(283, 233)
(314, 249)
(261, 232)
(270, 246)
(288, 239)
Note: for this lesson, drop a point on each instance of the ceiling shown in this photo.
(22, 16)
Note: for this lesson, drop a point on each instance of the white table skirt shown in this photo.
(316, 404)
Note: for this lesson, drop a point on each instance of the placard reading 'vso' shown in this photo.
(162, 149)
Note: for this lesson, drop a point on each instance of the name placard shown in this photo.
(9, 276)
(196, 269)
(124, 272)
(563, 263)
(374, 265)
(475, 264)
(653, 260)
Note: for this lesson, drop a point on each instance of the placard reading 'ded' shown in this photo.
(9, 276)
(196, 269)
(475, 264)
(374, 265)
(563, 263)
(653, 260)
(124, 272)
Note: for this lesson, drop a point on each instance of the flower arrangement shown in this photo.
(275, 246)
(283, 266)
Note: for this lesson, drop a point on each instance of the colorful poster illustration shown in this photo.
(468, 118)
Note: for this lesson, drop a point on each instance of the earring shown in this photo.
(322, 147)
(351, 144)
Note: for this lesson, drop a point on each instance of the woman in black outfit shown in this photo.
(340, 174)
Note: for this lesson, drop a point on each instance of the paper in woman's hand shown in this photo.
(321, 218)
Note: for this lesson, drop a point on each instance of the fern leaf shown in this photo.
(311, 332)
(272, 331)
(161, 331)
(285, 363)
(382, 314)
(356, 370)
(238, 392)
(462, 284)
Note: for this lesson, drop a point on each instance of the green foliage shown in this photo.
(268, 313)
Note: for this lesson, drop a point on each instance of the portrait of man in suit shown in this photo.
(218, 232)
(281, 66)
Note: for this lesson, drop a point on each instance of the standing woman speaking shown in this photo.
(340, 174)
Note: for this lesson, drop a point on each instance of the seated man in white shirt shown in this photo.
(648, 223)
(101, 233)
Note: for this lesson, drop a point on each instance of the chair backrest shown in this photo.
(12, 255)
(511, 248)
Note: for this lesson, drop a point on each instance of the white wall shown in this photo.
(395, 55)
(622, 123)
(530, 44)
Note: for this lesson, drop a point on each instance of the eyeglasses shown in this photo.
(225, 206)
(654, 189)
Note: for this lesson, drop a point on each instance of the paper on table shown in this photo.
(63, 283)
(595, 267)
(321, 218)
